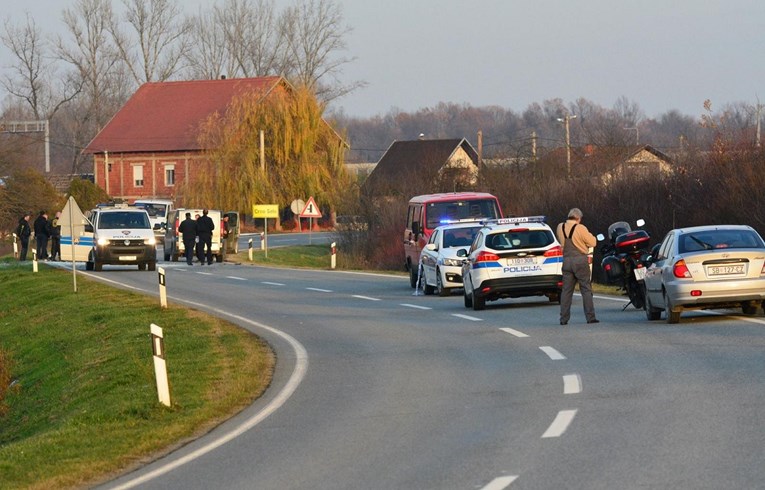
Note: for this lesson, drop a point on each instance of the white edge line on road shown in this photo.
(560, 424)
(320, 290)
(467, 317)
(514, 332)
(572, 384)
(273, 283)
(552, 353)
(500, 483)
(236, 278)
(205, 273)
(366, 297)
(301, 367)
(416, 307)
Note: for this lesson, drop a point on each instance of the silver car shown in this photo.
(706, 267)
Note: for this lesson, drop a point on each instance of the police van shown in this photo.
(108, 235)
(511, 258)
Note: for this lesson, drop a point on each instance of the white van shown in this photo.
(173, 242)
(116, 235)
(158, 210)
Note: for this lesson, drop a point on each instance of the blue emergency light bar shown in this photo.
(515, 220)
(455, 221)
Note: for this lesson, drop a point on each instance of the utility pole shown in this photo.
(534, 145)
(480, 148)
(262, 152)
(758, 113)
(565, 121)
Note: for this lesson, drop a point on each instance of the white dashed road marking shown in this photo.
(236, 278)
(552, 353)
(273, 283)
(572, 384)
(417, 307)
(500, 483)
(467, 317)
(205, 273)
(320, 290)
(366, 298)
(560, 424)
(514, 332)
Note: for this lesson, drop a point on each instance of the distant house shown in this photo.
(423, 166)
(151, 146)
(608, 164)
(637, 162)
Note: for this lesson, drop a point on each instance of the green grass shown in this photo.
(301, 256)
(83, 404)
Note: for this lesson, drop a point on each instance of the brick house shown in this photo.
(150, 147)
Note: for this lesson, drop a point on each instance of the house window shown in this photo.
(138, 175)
(170, 175)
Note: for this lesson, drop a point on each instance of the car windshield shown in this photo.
(438, 213)
(459, 237)
(718, 239)
(519, 239)
(154, 210)
(124, 219)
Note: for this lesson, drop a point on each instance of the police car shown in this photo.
(441, 267)
(511, 258)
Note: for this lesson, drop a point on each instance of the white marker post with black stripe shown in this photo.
(15, 247)
(34, 260)
(249, 249)
(160, 365)
(162, 287)
(333, 255)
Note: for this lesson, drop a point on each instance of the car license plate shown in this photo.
(521, 261)
(128, 257)
(726, 270)
(639, 273)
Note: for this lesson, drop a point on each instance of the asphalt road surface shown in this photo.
(378, 389)
(287, 239)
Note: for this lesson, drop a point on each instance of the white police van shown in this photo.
(512, 258)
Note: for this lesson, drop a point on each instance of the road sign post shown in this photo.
(333, 255)
(265, 211)
(249, 248)
(160, 364)
(162, 287)
(310, 211)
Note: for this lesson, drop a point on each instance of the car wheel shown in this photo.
(554, 297)
(89, 266)
(219, 258)
(468, 300)
(167, 255)
(142, 266)
(672, 316)
(479, 303)
(412, 277)
(98, 266)
(152, 266)
(440, 289)
(749, 308)
(651, 313)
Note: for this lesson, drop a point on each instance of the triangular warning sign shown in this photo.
(311, 210)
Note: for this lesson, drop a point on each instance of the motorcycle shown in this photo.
(625, 259)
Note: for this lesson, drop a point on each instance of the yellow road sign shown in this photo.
(265, 210)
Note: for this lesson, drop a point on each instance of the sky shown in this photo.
(412, 54)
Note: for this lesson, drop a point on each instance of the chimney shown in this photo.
(223, 77)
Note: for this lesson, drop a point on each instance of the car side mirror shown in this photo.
(432, 247)
(462, 253)
(89, 228)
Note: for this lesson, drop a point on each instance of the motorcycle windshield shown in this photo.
(618, 228)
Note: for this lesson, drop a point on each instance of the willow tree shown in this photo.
(303, 154)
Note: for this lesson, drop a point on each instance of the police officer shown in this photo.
(41, 235)
(23, 231)
(188, 229)
(576, 240)
(54, 230)
(205, 227)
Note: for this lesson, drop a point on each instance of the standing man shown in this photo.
(576, 240)
(188, 228)
(224, 234)
(23, 231)
(55, 237)
(41, 235)
(205, 227)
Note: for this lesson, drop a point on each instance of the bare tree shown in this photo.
(253, 36)
(156, 41)
(314, 34)
(34, 74)
(209, 55)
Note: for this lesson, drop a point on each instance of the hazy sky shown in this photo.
(661, 54)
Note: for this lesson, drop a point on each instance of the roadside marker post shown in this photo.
(333, 256)
(262, 241)
(15, 247)
(162, 287)
(249, 249)
(34, 260)
(160, 364)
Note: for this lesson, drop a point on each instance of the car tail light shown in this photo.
(680, 270)
(696, 293)
(486, 257)
(556, 251)
(176, 225)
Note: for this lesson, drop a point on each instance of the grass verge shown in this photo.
(82, 402)
(301, 256)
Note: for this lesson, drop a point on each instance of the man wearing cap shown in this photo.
(188, 229)
(23, 231)
(576, 241)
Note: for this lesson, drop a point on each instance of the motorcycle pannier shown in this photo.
(613, 268)
(632, 241)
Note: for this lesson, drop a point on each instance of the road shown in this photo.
(287, 239)
(378, 389)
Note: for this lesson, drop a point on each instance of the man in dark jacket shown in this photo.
(205, 227)
(54, 230)
(23, 231)
(188, 228)
(41, 235)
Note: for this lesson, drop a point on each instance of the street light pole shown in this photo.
(565, 121)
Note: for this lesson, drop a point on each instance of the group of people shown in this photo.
(197, 236)
(45, 230)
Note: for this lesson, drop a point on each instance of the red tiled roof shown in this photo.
(165, 116)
